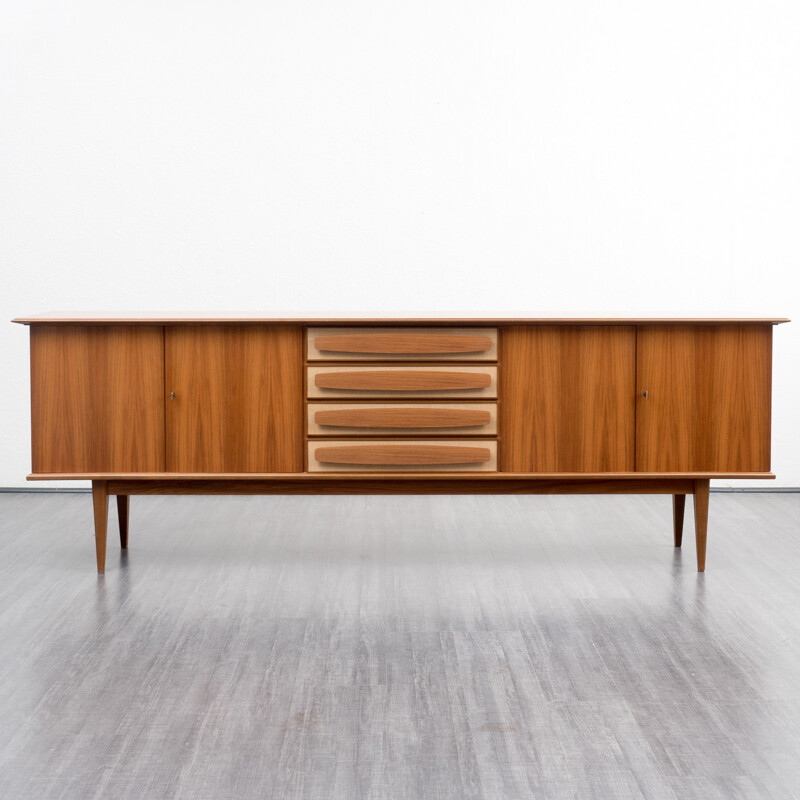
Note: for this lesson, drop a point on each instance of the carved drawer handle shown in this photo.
(402, 455)
(402, 418)
(402, 380)
(411, 343)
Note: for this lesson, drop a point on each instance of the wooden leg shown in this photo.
(678, 506)
(123, 511)
(701, 521)
(100, 502)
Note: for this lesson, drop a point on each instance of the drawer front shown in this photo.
(450, 381)
(359, 419)
(391, 455)
(402, 344)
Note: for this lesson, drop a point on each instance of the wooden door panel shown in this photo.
(567, 398)
(97, 398)
(238, 403)
(708, 398)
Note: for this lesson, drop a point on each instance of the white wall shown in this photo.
(510, 158)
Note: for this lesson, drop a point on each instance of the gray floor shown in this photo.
(388, 647)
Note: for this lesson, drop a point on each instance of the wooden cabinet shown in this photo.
(233, 398)
(249, 405)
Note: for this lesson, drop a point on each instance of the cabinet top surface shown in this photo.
(189, 317)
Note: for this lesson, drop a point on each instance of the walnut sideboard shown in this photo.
(247, 405)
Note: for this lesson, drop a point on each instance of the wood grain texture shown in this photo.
(123, 515)
(209, 318)
(401, 454)
(100, 509)
(390, 455)
(402, 381)
(238, 399)
(708, 398)
(499, 477)
(363, 418)
(410, 343)
(701, 497)
(387, 343)
(97, 398)
(678, 509)
(398, 483)
(567, 399)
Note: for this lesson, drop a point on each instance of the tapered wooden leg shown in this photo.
(123, 511)
(100, 502)
(678, 506)
(701, 521)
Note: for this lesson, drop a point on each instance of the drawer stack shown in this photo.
(401, 399)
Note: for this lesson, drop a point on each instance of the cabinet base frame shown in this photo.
(310, 485)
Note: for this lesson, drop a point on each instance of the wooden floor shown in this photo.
(400, 647)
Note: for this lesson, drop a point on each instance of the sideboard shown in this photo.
(248, 405)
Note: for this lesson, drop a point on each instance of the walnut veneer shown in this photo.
(190, 404)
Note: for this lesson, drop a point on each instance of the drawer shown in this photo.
(401, 344)
(420, 455)
(449, 381)
(354, 419)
